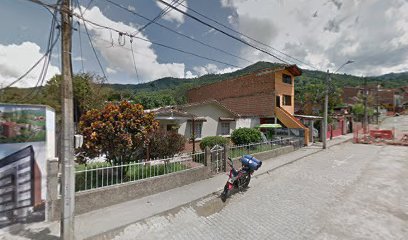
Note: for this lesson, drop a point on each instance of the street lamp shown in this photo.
(326, 103)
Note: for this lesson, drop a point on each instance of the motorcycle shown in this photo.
(240, 178)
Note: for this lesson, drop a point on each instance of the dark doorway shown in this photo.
(277, 103)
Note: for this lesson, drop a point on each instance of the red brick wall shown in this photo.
(256, 105)
(247, 85)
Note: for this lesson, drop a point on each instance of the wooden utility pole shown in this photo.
(365, 121)
(326, 110)
(67, 141)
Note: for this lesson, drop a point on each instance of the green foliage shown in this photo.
(164, 144)
(100, 176)
(212, 141)
(245, 136)
(358, 111)
(119, 131)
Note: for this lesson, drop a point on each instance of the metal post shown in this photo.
(326, 106)
(67, 143)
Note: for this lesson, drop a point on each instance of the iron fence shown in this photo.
(239, 150)
(101, 175)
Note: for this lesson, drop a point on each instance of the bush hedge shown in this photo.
(245, 136)
(212, 141)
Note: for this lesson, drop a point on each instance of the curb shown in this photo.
(105, 235)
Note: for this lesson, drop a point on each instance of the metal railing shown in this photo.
(239, 150)
(93, 176)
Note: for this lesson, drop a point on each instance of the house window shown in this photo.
(198, 126)
(287, 100)
(286, 79)
(225, 128)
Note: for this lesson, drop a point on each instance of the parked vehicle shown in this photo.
(240, 179)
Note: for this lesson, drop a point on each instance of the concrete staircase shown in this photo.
(291, 122)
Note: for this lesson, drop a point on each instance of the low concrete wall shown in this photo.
(94, 199)
(267, 155)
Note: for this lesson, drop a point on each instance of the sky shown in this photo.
(317, 34)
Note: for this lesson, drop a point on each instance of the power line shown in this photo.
(160, 15)
(223, 32)
(134, 61)
(178, 33)
(130, 36)
(50, 47)
(247, 36)
(90, 41)
(80, 46)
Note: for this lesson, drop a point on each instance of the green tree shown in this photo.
(245, 136)
(118, 131)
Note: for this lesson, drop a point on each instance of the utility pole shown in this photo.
(365, 123)
(378, 110)
(67, 142)
(326, 108)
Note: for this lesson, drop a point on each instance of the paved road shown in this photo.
(400, 124)
(347, 192)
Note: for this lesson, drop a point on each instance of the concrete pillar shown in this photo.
(311, 122)
(52, 190)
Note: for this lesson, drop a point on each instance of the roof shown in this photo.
(211, 101)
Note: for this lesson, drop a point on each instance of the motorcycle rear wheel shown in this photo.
(245, 181)
(225, 193)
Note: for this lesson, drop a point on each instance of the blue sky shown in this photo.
(323, 33)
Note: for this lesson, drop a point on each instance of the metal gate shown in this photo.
(217, 158)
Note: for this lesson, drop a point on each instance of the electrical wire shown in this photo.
(80, 46)
(90, 41)
(134, 61)
(130, 35)
(247, 36)
(223, 32)
(160, 15)
(49, 48)
(179, 33)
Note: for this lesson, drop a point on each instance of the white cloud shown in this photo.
(131, 8)
(212, 69)
(373, 33)
(173, 15)
(79, 58)
(119, 58)
(189, 74)
(15, 60)
(110, 70)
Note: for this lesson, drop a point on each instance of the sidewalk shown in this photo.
(120, 215)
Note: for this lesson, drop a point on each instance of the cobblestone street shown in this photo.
(346, 192)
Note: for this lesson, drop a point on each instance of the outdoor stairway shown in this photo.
(291, 122)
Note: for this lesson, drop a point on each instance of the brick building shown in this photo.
(266, 96)
(386, 98)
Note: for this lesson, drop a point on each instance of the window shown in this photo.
(287, 100)
(286, 79)
(225, 128)
(198, 126)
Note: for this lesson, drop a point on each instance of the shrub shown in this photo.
(166, 144)
(212, 141)
(245, 136)
(118, 131)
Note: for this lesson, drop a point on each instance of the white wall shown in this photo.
(211, 112)
(248, 122)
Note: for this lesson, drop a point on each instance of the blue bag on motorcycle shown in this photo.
(251, 162)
